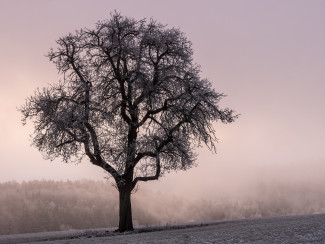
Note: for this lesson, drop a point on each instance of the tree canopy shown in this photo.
(131, 100)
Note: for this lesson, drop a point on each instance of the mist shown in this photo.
(37, 206)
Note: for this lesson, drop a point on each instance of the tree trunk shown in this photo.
(125, 222)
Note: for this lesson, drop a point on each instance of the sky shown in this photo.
(267, 56)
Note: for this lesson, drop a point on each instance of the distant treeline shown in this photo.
(38, 206)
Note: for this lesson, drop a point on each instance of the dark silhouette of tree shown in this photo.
(131, 100)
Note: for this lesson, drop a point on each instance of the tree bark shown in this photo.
(125, 222)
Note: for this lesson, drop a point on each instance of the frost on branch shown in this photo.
(132, 101)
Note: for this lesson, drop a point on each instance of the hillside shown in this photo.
(289, 229)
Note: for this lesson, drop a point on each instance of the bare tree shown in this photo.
(131, 100)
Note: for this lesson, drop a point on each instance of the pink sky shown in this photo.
(268, 56)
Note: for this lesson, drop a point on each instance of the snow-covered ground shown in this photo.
(290, 229)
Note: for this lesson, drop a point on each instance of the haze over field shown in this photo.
(267, 56)
(42, 206)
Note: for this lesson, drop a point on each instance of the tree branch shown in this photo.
(122, 90)
(99, 161)
(147, 178)
(142, 155)
(153, 112)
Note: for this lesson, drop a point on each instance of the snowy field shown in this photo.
(291, 229)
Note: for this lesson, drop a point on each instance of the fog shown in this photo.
(38, 206)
